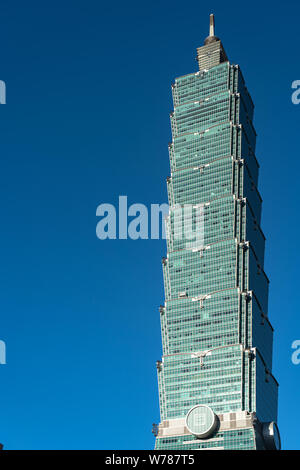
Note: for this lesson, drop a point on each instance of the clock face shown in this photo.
(201, 421)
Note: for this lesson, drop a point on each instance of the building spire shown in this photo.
(212, 53)
(212, 25)
(211, 38)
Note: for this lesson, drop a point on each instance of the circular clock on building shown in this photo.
(201, 421)
(271, 436)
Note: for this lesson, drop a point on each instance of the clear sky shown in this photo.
(87, 120)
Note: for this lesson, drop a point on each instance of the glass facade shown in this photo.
(216, 336)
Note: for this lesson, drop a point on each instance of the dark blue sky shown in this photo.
(87, 120)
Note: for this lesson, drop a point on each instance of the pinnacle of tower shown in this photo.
(211, 25)
(211, 38)
(212, 53)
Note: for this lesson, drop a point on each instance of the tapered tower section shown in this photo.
(216, 387)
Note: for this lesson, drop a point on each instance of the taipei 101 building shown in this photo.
(216, 388)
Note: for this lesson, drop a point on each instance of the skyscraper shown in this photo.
(216, 387)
